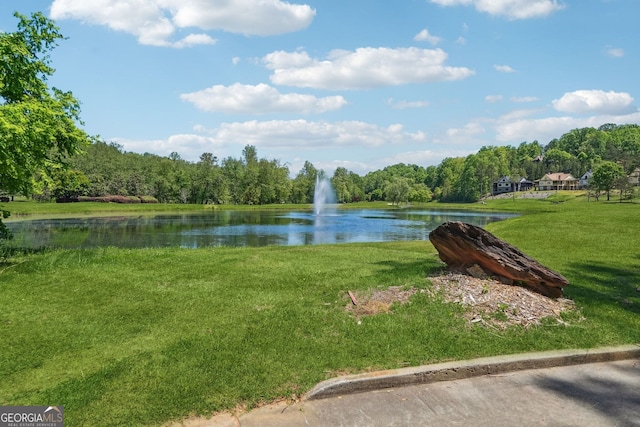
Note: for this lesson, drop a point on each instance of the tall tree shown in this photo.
(449, 172)
(348, 185)
(469, 184)
(233, 171)
(38, 125)
(341, 184)
(250, 182)
(304, 184)
(397, 190)
(605, 176)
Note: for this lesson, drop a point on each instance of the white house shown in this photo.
(558, 181)
(634, 177)
(584, 179)
(505, 185)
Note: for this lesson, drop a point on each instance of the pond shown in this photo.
(239, 228)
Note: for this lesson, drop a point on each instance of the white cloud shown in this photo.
(189, 146)
(192, 40)
(425, 36)
(470, 129)
(363, 68)
(512, 9)
(423, 157)
(401, 105)
(298, 134)
(154, 22)
(594, 101)
(259, 99)
(615, 52)
(262, 18)
(519, 114)
(512, 130)
(504, 68)
(466, 139)
(291, 136)
(521, 125)
(543, 130)
(492, 99)
(524, 98)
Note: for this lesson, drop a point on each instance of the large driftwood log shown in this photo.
(465, 247)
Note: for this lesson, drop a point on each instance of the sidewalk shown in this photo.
(586, 388)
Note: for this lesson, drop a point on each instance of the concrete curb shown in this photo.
(449, 371)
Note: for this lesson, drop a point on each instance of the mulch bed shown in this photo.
(485, 301)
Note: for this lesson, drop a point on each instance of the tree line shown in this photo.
(105, 169)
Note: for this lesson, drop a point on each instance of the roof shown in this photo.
(558, 177)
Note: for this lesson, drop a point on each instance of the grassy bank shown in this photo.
(139, 337)
(22, 208)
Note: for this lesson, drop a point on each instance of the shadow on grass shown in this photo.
(423, 268)
(616, 396)
(8, 255)
(610, 285)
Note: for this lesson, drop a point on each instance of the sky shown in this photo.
(359, 84)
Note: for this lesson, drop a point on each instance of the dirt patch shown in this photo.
(377, 301)
(497, 305)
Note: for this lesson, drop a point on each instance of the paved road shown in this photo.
(584, 395)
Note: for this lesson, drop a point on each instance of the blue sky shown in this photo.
(360, 84)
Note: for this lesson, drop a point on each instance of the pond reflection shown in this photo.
(239, 228)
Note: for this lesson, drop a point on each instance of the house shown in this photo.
(505, 185)
(634, 177)
(584, 179)
(524, 185)
(558, 181)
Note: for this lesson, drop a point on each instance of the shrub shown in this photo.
(110, 199)
(148, 199)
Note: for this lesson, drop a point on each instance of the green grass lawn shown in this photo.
(144, 336)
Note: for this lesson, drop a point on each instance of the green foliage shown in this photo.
(448, 181)
(69, 184)
(420, 193)
(25, 63)
(252, 180)
(117, 199)
(397, 191)
(348, 186)
(38, 125)
(605, 176)
(304, 184)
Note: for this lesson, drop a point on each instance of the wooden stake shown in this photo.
(353, 298)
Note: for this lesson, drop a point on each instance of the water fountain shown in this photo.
(324, 198)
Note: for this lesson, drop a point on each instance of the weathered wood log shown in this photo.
(353, 298)
(465, 247)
